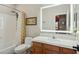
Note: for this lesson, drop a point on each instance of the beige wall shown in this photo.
(31, 10)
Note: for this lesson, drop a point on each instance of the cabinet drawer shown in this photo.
(51, 47)
(68, 51)
(37, 44)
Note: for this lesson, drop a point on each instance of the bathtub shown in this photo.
(8, 50)
(7, 47)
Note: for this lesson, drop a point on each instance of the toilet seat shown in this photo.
(20, 47)
(23, 47)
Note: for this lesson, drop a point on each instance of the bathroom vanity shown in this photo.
(43, 45)
(43, 48)
(57, 19)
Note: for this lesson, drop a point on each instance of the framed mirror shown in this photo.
(56, 18)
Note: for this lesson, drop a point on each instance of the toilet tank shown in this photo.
(28, 41)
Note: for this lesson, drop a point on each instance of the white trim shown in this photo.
(50, 6)
(71, 18)
(40, 18)
(56, 31)
(77, 19)
(67, 23)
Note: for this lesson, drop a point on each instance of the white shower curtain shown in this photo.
(21, 27)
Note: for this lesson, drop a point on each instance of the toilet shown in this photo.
(21, 49)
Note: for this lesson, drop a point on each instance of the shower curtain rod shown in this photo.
(11, 8)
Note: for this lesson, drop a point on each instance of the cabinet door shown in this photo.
(50, 49)
(37, 50)
(37, 44)
(68, 51)
(46, 51)
(33, 50)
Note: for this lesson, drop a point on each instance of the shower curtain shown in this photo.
(21, 27)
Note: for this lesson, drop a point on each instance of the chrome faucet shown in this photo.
(53, 37)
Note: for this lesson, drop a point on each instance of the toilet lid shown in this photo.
(20, 47)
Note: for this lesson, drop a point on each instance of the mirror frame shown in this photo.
(75, 21)
(71, 20)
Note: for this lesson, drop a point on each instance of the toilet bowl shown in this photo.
(21, 49)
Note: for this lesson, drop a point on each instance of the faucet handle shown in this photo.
(76, 47)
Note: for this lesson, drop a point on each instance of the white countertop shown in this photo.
(58, 42)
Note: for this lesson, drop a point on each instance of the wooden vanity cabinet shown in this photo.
(37, 48)
(50, 49)
(41, 48)
(68, 51)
